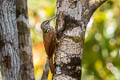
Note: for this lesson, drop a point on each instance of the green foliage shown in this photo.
(102, 46)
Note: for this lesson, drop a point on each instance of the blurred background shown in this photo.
(101, 58)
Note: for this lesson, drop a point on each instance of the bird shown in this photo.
(49, 40)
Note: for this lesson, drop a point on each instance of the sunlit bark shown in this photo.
(72, 19)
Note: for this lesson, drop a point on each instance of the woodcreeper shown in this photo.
(49, 40)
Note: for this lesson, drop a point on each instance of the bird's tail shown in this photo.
(52, 68)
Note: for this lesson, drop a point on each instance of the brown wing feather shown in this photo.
(46, 42)
(49, 42)
(52, 43)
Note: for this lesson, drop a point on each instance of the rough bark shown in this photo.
(25, 50)
(72, 19)
(9, 52)
(15, 43)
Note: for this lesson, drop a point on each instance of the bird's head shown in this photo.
(46, 24)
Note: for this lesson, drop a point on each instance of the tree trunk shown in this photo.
(9, 52)
(15, 42)
(72, 19)
(25, 50)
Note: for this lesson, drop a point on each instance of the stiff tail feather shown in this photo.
(51, 65)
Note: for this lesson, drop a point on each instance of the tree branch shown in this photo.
(45, 71)
(89, 7)
(96, 3)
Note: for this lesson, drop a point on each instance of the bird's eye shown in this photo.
(47, 22)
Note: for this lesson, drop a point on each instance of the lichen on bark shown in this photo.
(72, 19)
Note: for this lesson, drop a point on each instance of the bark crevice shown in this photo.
(72, 19)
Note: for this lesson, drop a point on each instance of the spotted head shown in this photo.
(46, 24)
